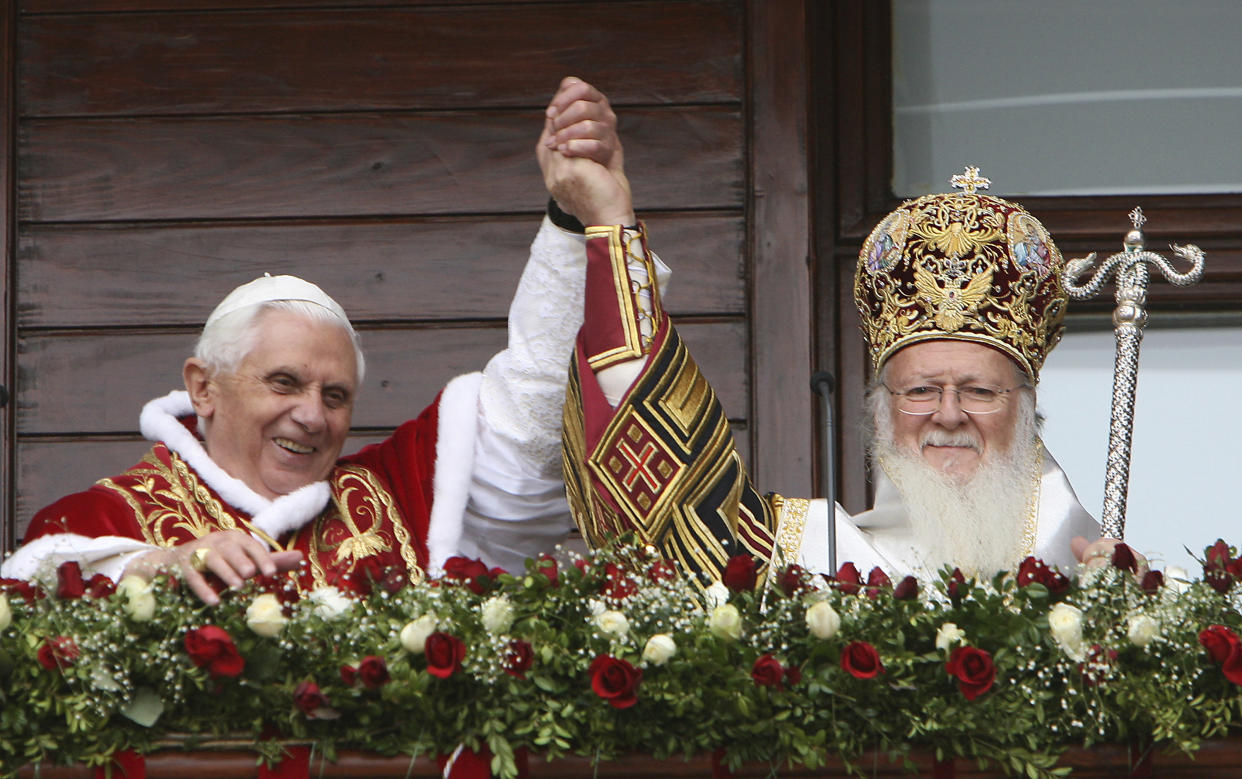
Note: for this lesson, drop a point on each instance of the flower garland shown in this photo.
(620, 653)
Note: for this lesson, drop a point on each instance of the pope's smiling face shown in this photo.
(951, 440)
(279, 421)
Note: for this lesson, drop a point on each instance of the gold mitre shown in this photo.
(962, 266)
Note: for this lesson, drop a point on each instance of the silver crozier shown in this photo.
(1130, 270)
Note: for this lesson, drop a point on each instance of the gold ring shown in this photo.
(198, 558)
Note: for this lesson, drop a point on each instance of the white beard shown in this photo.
(975, 523)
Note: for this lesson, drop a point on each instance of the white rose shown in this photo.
(717, 595)
(596, 607)
(659, 649)
(725, 621)
(948, 635)
(612, 623)
(496, 614)
(823, 620)
(6, 613)
(1143, 630)
(414, 635)
(145, 708)
(1176, 580)
(265, 615)
(139, 599)
(1065, 624)
(329, 603)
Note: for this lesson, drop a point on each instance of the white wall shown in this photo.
(1068, 96)
(1186, 468)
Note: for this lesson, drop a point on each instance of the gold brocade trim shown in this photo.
(618, 256)
(791, 525)
(356, 492)
(1030, 526)
(183, 502)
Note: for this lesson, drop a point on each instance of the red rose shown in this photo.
(1219, 641)
(1035, 571)
(58, 652)
(617, 584)
(27, 590)
(463, 570)
(740, 574)
(956, 586)
(373, 671)
(793, 675)
(1232, 667)
(546, 565)
(1219, 553)
(69, 584)
(444, 654)
(767, 672)
(615, 680)
(793, 580)
(213, 647)
(973, 669)
(1235, 568)
(1152, 582)
(308, 698)
(519, 658)
(1216, 576)
(848, 579)
(100, 586)
(1056, 582)
(349, 675)
(1097, 659)
(1124, 559)
(877, 578)
(394, 580)
(860, 660)
(1027, 570)
(662, 571)
(907, 589)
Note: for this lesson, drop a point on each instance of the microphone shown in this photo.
(822, 384)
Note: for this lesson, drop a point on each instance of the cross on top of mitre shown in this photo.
(969, 181)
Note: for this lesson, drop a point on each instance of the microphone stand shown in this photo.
(822, 385)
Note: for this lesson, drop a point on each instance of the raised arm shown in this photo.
(516, 506)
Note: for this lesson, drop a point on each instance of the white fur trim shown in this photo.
(456, 431)
(40, 558)
(160, 422)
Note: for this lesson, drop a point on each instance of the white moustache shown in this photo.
(946, 438)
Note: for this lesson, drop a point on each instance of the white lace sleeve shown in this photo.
(516, 506)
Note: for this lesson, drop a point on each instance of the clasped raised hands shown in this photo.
(581, 157)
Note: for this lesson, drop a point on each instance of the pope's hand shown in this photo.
(581, 157)
(232, 555)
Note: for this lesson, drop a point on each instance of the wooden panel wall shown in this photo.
(166, 152)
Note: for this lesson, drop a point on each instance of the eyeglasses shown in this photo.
(921, 401)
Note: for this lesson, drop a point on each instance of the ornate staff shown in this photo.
(1130, 270)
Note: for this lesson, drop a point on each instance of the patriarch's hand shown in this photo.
(581, 158)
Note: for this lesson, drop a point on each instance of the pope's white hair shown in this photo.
(226, 341)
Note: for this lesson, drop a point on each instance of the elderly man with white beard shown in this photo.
(961, 300)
